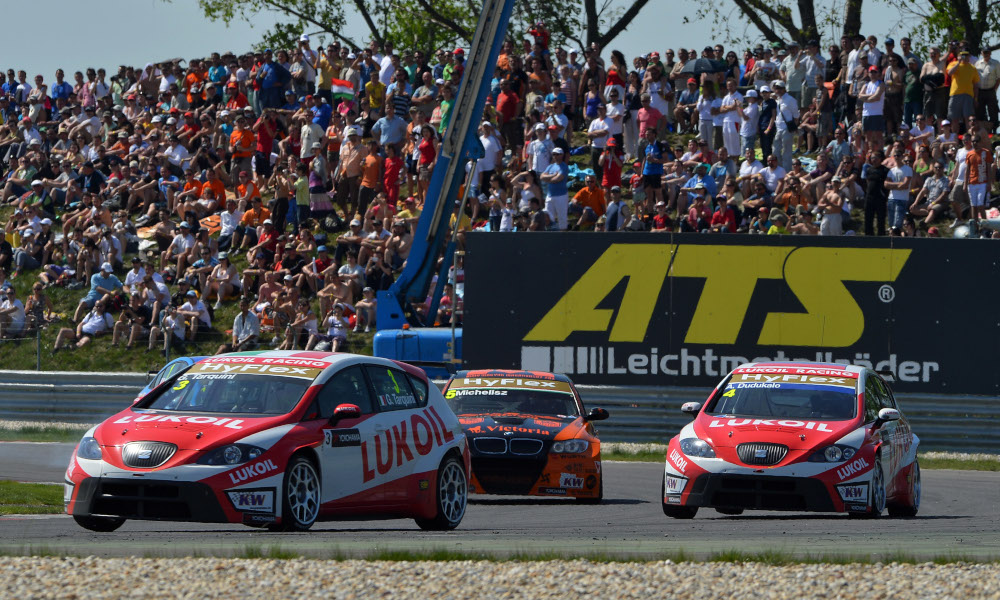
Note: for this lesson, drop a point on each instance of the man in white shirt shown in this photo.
(176, 154)
(989, 79)
(787, 114)
(195, 310)
(97, 322)
(246, 329)
(750, 121)
(872, 97)
(616, 113)
(921, 133)
(310, 59)
(748, 168)
(492, 154)
(179, 249)
(540, 150)
(598, 133)
(11, 315)
(815, 65)
(133, 279)
(898, 184)
(771, 174)
(793, 71)
(732, 102)
(229, 220)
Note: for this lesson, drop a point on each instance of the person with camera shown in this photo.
(135, 318)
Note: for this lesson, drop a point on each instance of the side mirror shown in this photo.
(884, 416)
(596, 414)
(345, 411)
(691, 408)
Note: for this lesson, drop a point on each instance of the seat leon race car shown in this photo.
(528, 434)
(796, 437)
(276, 438)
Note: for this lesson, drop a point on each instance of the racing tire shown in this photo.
(451, 497)
(594, 499)
(300, 496)
(909, 510)
(677, 512)
(99, 524)
(729, 511)
(876, 491)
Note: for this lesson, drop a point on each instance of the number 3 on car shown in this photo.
(276, 439)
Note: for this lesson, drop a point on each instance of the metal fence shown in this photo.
(638, 414)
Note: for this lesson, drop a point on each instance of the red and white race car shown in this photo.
(797, 437)
(276, 438)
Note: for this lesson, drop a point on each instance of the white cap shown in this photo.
(765, 89)
(351, 56)
(539, 127)
(268, 222)
(304, 37)
(36, 182)
(752, 94)
(439, 81)
(355, 223)
(171, 121)
(486, 124)
(316, 145)
(46, 221)
(946, 122)
(157, 118)
(557, 150)
(106, 267)
(777, 83)
(224, 113)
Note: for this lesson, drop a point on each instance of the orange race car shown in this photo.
(528, 434)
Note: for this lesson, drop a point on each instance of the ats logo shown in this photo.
(815, 275)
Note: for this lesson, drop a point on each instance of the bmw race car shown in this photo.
(276, 438)
(796, 437)
(528, 434)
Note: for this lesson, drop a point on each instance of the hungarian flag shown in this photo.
(341, 89)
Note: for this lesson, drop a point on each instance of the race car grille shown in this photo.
(147, 455)
(526, 446)
(762, 493)
(761, 453)
(490, 445)
(507, 475)
(141, 500)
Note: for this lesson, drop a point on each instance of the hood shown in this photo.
(544, 427)
(729, 432)
(182, 429)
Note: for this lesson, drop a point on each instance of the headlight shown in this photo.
(89, 449)
(697, 448)
(834, 453)
(233, 454)
(570, 447)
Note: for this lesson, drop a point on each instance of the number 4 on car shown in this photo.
(276, 439)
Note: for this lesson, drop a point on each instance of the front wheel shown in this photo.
(910, 509)
(300, 496)
(451, 497)
(595, 499)
(101, 524)
(876, 494)
(676, 512)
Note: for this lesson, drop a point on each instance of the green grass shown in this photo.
(274, 551)
(30, 498)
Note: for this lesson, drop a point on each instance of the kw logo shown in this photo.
(815, 275)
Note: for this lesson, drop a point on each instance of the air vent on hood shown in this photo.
(147, 455)
(761, 453)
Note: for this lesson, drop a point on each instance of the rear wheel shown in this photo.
(451, 497)
(101, 524)
(300, 496)
(912, 505)
(876, 491)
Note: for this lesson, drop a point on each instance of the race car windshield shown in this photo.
(248, 394)
(475, 401)
(786, 401)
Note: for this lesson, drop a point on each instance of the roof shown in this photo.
(805, 365)
(513, 373)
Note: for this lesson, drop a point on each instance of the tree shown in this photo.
(775, 19)
(429, 24)
(936, 22)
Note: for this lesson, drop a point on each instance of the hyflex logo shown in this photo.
(815, 275)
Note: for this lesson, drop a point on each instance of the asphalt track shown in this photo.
(959, 516)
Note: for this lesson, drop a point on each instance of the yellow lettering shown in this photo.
(816, 276)
(645, 266)
(731, 274)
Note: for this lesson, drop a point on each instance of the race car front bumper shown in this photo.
(148, 500)
(761, 492)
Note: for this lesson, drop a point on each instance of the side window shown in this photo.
(166, 373)
(887, 399)
(873, 399)
(392, 388)
(420, 389)
(346, 387)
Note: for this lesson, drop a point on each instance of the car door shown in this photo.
(897, 434)
(342, 458)
(394, 457)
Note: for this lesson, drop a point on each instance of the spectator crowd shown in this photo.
(290, 182)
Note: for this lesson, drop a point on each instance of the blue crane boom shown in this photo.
(432, 238)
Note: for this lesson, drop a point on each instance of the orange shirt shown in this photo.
(192, 80)
(977, 164)
(216, 186)
(242, 142)
(789, 200)
(592, 198)
(254, 218)
(370, 171)
(241, 191)
(193, 184)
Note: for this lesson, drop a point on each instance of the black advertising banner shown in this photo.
(685, 309)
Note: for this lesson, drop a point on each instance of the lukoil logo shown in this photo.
(816, 277)
(252, 471)
(853, 468)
